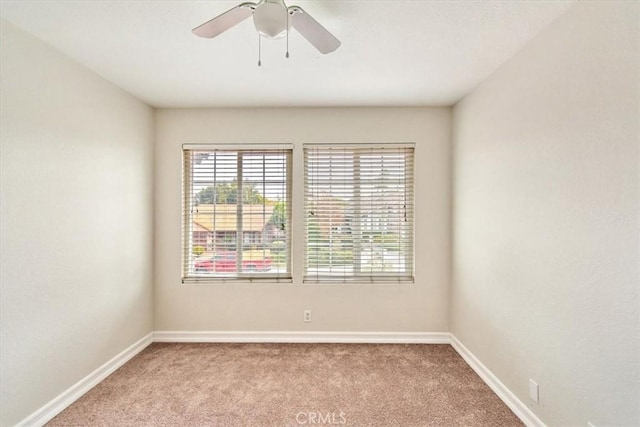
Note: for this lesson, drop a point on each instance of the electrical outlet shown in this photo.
(534, 392)
(307, 315)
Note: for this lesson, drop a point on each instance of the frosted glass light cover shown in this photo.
(270, 20)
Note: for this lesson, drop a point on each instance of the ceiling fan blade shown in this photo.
(223, 22)
(311, 30)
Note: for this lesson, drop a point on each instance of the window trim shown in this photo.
(407, 277)
(187, 220)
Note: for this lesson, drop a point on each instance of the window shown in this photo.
(358, 212)
(237, 213)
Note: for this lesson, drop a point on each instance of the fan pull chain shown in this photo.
(259, 52)
(287, 55)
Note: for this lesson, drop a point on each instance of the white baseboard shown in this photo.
(305, 337)
(57, 405)
(520, 409)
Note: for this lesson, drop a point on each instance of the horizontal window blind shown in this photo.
(237, 214)
(359, 213)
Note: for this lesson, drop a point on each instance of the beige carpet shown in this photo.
(291, 385)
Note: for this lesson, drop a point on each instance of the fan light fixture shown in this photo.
(272, 19)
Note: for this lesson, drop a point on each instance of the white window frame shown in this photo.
(191, 277)
(406, 277)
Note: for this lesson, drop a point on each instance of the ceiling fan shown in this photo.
(272, 19)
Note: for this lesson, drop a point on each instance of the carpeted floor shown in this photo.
(291, 385)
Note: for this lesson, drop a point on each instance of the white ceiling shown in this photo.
(393, 53)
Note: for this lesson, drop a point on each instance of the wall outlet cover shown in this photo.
(534, 391)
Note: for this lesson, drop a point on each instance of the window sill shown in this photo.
(235, 280)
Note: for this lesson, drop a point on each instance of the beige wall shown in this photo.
(545, 277)
(76, 185)
(279, 307)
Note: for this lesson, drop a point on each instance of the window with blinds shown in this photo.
(237, 213)
(359, 213)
